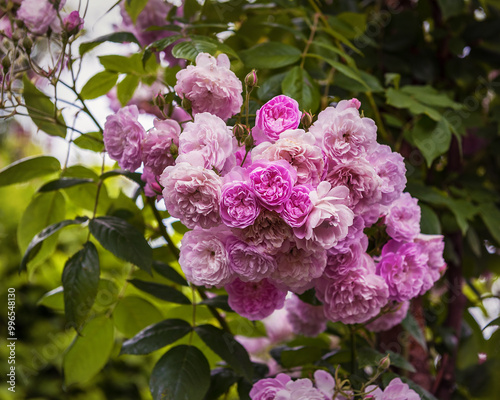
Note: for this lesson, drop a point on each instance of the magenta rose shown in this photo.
(239, 206)
(297, 208)
(278, 115)
(73, 22)
(272, 182)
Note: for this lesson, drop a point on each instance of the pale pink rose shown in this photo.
(192, 194)
(396, 390)
(123, 135)
(306, 319)
(5, 26)
(38, 15)
(204, 259)
(278, 115)
(403, 218)
(298, 148)
(157, 143)
(211, 86)
(152, 187)
(391, 319)
(433, 246)
(207, 142)
(330, 218)
(343, 134)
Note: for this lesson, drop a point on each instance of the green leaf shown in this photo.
(53, 299)
(133, 176)
(218, 302)
(42, 111)
(349, 24)
(123, 240)
(431, 139)
(399, 99)
(134, 8)
(424, 394)
(182, 373)
(367, 356)
(126, 88)
(116, 37)
(221, 380)
(168, 272)
(90, 141)
(122, 64)
(226, 347)
(299, 356)
(80, 279)
(160, 291)
(88, 354)
(271, 87)
(495, 322)
(299, 85)
(99, 85)
(36, 242)
(490, 215)
(309, 297)
(429, 221)
(28, 168)
(451, 8)
(44, 209)
(411, 325)
(63, 183)
(132, 314)
(156, 336)
(189, 50)
(270, 55)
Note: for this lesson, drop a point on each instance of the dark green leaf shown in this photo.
(80, 280)
(90, 351)
(90, 141)
(126, 88)
(300, 356)
(35, 244)
(116, 37)
(189, 50)
(123, 240)
(299, 85)
(348, 71)
(349, 24)
(451, 8)
(218, 302)
(28, 168)
(42, 111)
(431, 139)
(227, 348)
(182, 373)
(63, 183)
(367, 356)
(179, 227)
(429, 221)
(270, 55)
(160, 291)
(168, 272)
(221, 381)
(271, 87)
(495, 322)
(99, 85)
(309, 297)
(411, 325)
(53, 299)
(133, 176)
(490, 215)
(156, 336)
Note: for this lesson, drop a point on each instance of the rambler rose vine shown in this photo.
(276, 208)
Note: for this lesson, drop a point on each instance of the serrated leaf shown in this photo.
(132, 314)
(168, 272)
(63, 183)
(33, 246)
(90, 141)
(42, 111)
(299, 85)
(28, 168)
(181, 373)
(156, 336)
(226, 347)
(160, 291)
(88, 354)
(270, 55)
(123, 240)
(126, 88)
(411, 325)
(99, 85)
(80, 279)
(116, 37)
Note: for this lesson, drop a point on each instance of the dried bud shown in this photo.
(384, 363)
(27, 44)
(240, 132)
(251, 79)
(306, 120)
(186, 104)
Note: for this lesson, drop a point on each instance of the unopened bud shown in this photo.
(27, 44)
(16, 35)
(73, 23)
(384, 363)
(159, 101)
(174, 150)
(251, 79)
(6, 63)
(306, 120)
(249, 143)
(240, 132)
(186, 104)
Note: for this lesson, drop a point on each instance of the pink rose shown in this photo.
(157, 143)
(38, 15)
(211, 86)
(239, 206)
(278, 115)
(297, 208)
(73, 23)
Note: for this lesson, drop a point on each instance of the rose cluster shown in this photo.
(283, 206)
(284, 388)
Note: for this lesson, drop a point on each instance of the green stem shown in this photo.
(380, 124)
(310, 40)
(171, 245)
(353, 349)
(214, 311)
